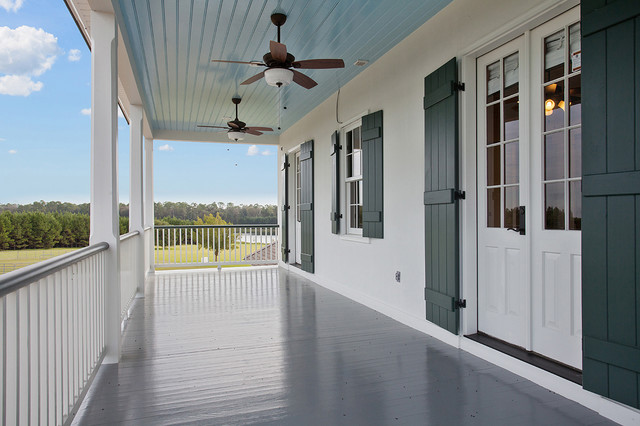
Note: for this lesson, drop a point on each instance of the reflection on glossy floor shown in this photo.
(266, 346)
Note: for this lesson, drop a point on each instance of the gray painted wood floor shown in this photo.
(266, 346)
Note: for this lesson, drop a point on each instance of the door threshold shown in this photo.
(566, 372)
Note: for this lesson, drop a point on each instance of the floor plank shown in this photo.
(265, 346)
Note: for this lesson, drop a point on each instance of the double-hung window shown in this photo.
(353, 176)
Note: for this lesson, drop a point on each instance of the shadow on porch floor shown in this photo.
(262, 345)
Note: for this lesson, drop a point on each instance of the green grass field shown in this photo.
(16, 259)
(189, 253)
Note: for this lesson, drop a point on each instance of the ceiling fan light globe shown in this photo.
(278, 76)
(235, 135)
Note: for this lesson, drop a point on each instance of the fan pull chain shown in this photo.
(279, 107)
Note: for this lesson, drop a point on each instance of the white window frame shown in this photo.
(346, 181)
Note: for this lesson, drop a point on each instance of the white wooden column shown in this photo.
(148, 198)
(136, 208)
(104, 168)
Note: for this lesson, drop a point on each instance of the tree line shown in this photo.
(184, 213)
(44, 225)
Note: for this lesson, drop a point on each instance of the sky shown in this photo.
(45, 125)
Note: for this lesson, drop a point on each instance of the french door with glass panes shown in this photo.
(529, 191)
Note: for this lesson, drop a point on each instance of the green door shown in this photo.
(441, 205)
(611, 199)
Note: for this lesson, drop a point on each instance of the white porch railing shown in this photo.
(207, 245)
(128, 267)
(52, 327)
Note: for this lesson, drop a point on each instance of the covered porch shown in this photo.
(264, 345)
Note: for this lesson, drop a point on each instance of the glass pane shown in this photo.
(493, 124)
(511, 163)
(554, 156)
(357, 163)
(493, 208)
(575, 152)
(493, 166)
(554, 106)
(575, 100)
(349, 143)
(511, 77)
(511, 119)
(575, 56)
(353, 211)
(349, 163)
(356, 138)
(575, 205)
(511, 203)
(554, 205)
(554, 56)
(493, 82)
(359, 217)
(353, 193)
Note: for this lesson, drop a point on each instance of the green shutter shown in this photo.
(335, 183)
(372, 201)
(611, 199)
(306, 206)
(284, 226)
(441, 205)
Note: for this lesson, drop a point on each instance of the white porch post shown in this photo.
(104, 168)
(136, 209)
(148, 199)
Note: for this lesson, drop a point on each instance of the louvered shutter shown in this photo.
(441, 205)
(372, 176)
(306, 206)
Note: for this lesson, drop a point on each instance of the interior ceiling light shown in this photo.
(549, 104)
(235, 135)
(278, 76)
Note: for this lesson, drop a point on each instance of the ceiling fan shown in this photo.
(279, 63)
(237, 128)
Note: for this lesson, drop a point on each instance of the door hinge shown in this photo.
(461, 303)
(458, 86)
(459, 195)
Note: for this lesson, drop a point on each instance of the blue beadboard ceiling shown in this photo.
(172, 43)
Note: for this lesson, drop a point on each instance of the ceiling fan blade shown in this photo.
(212, 127)
(254, 78)
(303, 80)
(262, 129)
(319, 64)
(251, 63)
(278, 51)
(252, 131)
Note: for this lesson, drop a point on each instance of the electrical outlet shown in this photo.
(398, 276)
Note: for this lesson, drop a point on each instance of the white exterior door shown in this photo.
(503, 253)
(556, 190)
(529, 151)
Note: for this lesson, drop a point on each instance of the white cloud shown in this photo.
(18, 85)
(11, 5)
(165, 147)
(266, 152)
(13, 151)
(85, 111)
(253, 150)
(2, 139)
(27, 50)
(74, 55)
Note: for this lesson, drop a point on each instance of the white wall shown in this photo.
(393, 84)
